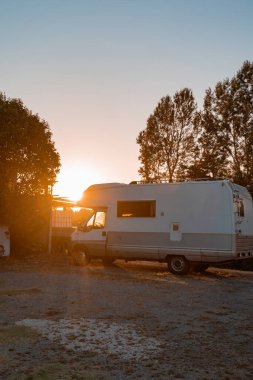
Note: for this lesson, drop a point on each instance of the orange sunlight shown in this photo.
(72, 181)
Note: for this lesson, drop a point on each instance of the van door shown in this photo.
(239, 211)
(175, 231)
(95, 236)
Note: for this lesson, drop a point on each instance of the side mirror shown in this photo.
(82, 227)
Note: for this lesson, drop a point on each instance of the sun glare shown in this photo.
(72, 181)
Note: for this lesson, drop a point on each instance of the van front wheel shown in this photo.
(178, 265)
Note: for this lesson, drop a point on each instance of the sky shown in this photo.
(96, 69)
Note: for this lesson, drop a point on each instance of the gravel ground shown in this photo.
(130, 321)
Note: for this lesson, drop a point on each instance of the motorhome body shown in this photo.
(199, 222)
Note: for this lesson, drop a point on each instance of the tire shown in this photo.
(200, 268)
(80, 256)
(178, 265)
(108, 262)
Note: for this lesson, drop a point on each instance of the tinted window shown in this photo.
(136, 209)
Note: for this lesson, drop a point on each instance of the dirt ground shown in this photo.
(129, 321)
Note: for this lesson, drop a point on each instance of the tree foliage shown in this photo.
(29, 161)
(29, 164)
(227, 128)
(180, 142)
(167, 143)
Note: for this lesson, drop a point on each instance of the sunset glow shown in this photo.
(74, 181)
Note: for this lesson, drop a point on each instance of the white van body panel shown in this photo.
(200, 220)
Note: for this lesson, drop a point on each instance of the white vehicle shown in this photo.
(4, 241)
(186, 224)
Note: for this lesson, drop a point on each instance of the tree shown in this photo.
(29, 161)
(29, 164)
(167, 144)
(210, 157)
(227, 128)
(241, 125)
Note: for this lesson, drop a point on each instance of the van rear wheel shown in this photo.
(80, 256)
(178, 265)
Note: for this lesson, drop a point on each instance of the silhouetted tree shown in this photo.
(227, 128)
(209, 155)
(29, 164)
(168, 142)
(29, 161)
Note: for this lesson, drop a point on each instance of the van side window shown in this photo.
(136, 209)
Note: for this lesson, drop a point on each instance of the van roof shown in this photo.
(152, 183)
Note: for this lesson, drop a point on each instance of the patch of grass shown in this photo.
(16, 334)
(246, 325)
(217, 312)
(57, 371)
(51, 312)
(19, 292)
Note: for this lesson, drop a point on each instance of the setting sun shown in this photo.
(73, 181)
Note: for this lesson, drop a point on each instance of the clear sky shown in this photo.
(96, 69)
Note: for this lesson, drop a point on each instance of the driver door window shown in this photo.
(97, 221)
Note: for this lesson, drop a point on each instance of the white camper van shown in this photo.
(186, 224)
(4, 241)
